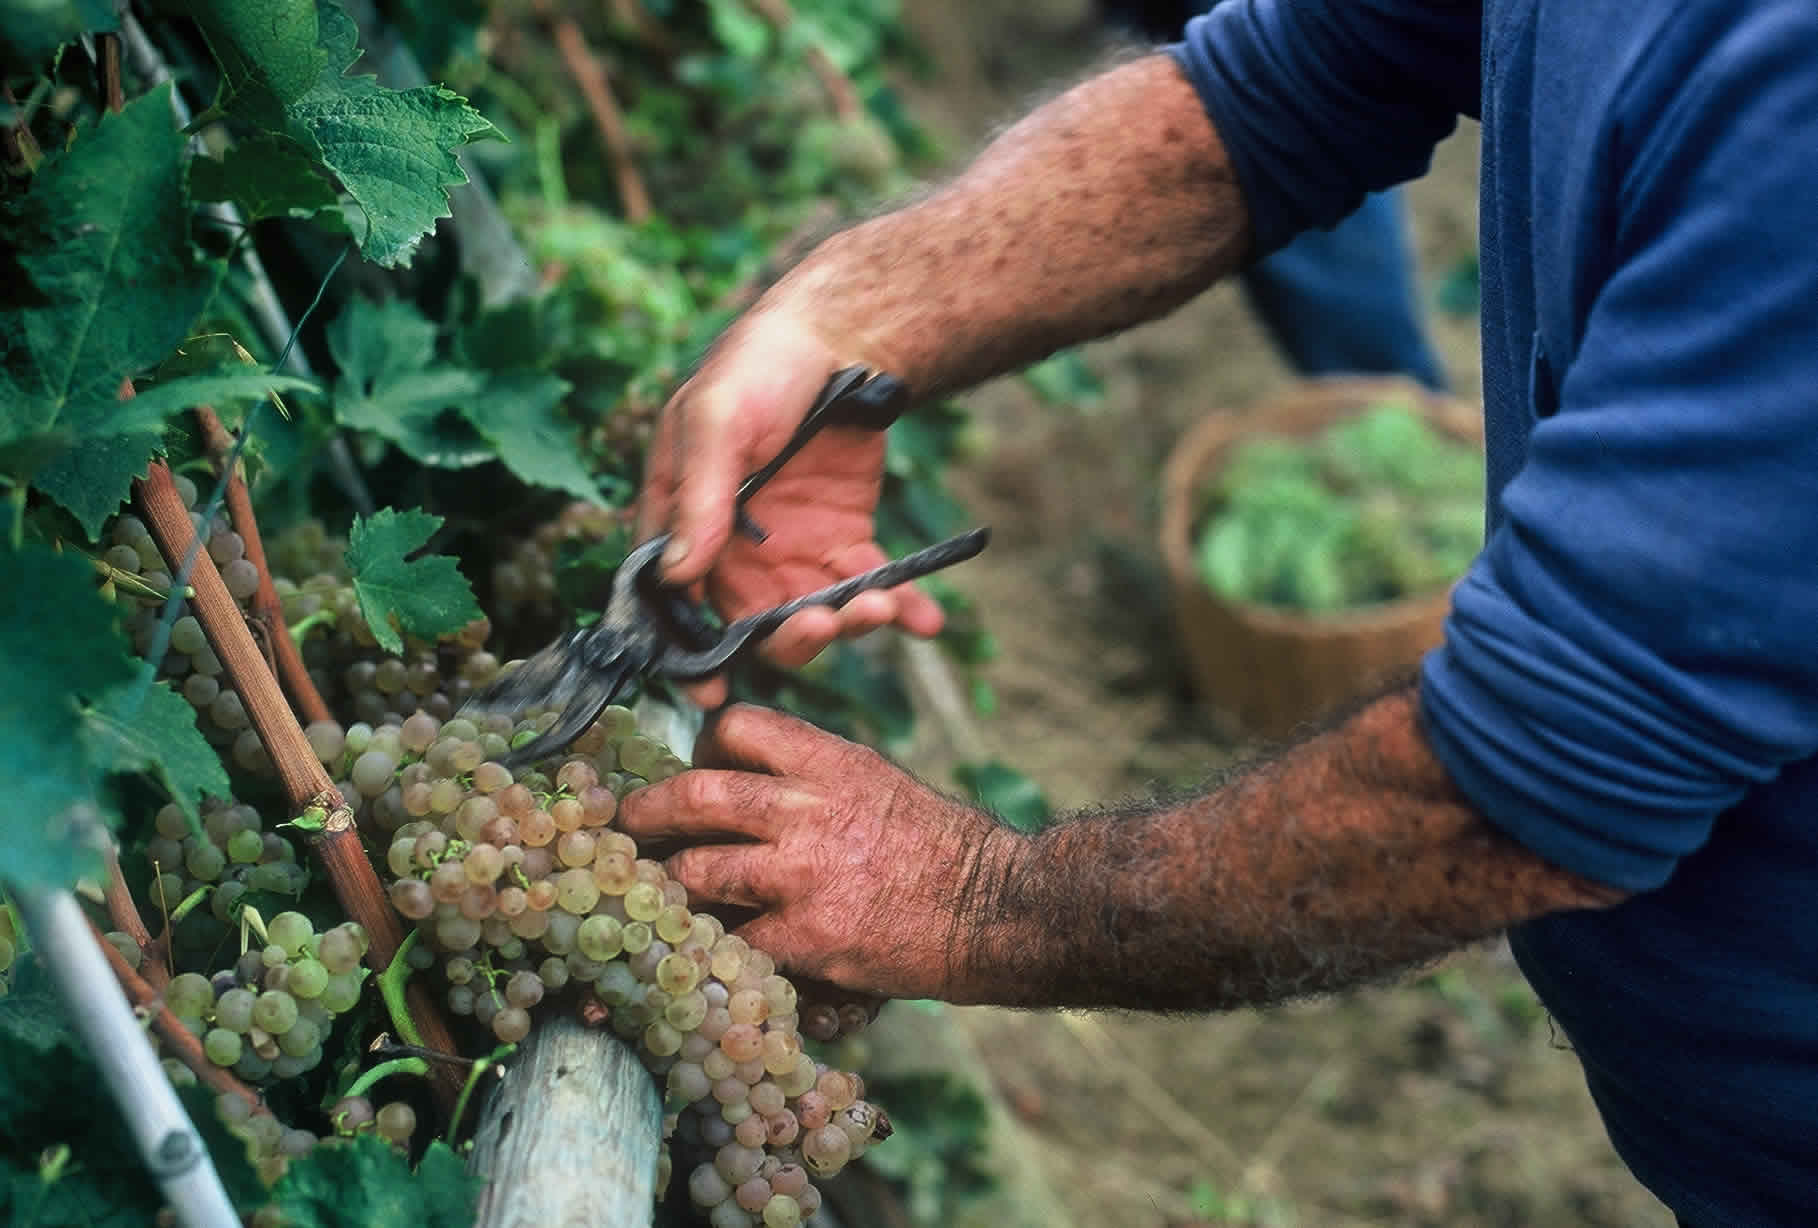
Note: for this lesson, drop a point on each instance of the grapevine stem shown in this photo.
(596, 86)
(297, 682)
(392, 984)
(167, 1140)
(337, 845)
(125, 915)
(384, 1070)
(480, 1067)
(184, 1044)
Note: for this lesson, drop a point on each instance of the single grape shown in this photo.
(327, 739)
(371, 772)
(221, 1046)
(412, 898)
(205, 862)
(274, 1012)
(524, 989)
(782, 1211)
(245, 847)
(189, 995)
(302, 1039)
(511, 1024)
(396, 1122)
(308, 978)
(707, 1188)
(291, 931)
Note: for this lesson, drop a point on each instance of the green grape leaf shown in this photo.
(363, 1183)
(392, 385)
(32, 30)
(517, 416)
(59, 651)
(268, 51)
(446, 415)
(265, 177)
(99, 283)
(153, 729)
(426, 596)
(1006, 792)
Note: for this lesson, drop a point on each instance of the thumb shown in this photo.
(708, 463)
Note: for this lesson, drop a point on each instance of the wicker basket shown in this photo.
(1263, 671)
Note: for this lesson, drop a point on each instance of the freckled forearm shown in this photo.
(1348, 858)
(1109, 206)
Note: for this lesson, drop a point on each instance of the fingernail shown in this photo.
(674, 553)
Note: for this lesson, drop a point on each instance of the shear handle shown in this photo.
(688, 666)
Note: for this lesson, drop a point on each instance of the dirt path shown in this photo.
(1441, 1102)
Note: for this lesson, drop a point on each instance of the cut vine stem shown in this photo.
(266, 607)
(305, 782)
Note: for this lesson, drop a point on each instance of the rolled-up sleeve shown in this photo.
(1637, 646)
(1322, 101)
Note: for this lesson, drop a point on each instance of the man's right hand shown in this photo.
(729, 419)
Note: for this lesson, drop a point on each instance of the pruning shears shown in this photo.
(653, 630)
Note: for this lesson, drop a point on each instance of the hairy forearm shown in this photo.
(1349, 857)
(1109, 206)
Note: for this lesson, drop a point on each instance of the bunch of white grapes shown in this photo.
(521, 886)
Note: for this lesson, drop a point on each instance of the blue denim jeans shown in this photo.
(1344, 300)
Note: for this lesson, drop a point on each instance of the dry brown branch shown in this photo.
(596, 86)
(113, 89)
(183, 1044)
(305, 782)
(265, 605)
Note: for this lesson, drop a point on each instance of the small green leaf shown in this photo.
(426, 596)
(266, 177)
(59, 652)
(154, 730)
(391, 384)
(1006, 792)
(363, 1183)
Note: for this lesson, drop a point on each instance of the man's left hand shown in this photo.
(860, 874)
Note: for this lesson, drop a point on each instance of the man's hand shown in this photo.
(860, 874)
(731, 418)
(1111, 205)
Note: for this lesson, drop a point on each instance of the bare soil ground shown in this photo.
(1446, 1100)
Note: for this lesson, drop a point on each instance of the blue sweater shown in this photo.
(1629, 679)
